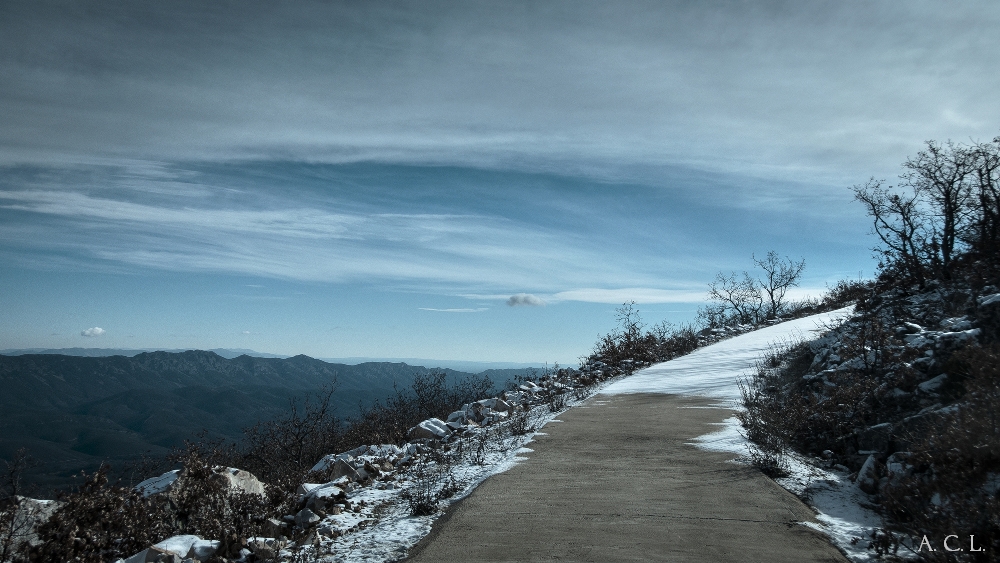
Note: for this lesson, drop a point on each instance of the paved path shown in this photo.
(616, 481)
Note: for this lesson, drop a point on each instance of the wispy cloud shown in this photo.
(92, 332)
(329, 241)
(777, 88)
(524, 299)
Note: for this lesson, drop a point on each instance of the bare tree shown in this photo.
(986, 227)
(898, 223)
(779, 276)
(739, 293)
(942, 175)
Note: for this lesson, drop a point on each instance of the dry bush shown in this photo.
(17, 517)
(101, 522)
(956, 469)
(519, 423)
(770, 416)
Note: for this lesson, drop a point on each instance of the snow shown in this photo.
(713, 371)
(394, 531)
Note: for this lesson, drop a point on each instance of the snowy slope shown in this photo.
(712, 371)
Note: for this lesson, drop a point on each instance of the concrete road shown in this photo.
(616, 481)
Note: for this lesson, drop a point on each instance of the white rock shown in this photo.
(867, 479)
(203, 549)
(432, 428)
(155, 485)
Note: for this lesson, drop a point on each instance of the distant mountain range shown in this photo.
(459, 365)
(229, 353)
(73, 411)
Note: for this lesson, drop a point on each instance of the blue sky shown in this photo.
(353, 179)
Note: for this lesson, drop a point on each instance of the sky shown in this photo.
(454, 180)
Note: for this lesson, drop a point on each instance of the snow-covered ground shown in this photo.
(713, 371)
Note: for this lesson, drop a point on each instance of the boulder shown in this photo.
(235, 480)
(343, 469)
(202, 550)
(239, 480)
(933, 384)
(305, 518)
(158, 484)
(274, 528)
(867, 479)
(430, 429)
(176, 549)
(457, 416)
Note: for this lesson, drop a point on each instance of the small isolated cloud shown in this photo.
(246, 332)
(480, 309)
(92, 332)
(525, 299)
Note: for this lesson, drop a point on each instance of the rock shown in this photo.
(153, 554)
(501, 406)
(343, 469)
(173, 550)
(158, 484)
(265, 549)
(867, 479)
(875, 438)
(235, 480)
(29, 514)
(327, 490)
(306, 518)
(239, 480)
(430, 429)
(203, 549)
(274, 528)
(933, 384)
(327, 531)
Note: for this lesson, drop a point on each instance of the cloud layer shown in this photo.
(773, 88)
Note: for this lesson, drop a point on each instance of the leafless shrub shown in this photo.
(763, 421)
(422, 496)
(557, 402)
(520, 423)
(101, 522)
(18, 516)
(955, 468)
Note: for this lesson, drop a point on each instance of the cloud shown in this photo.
(524, 299)
(477, 310)
(265, 236)
(781, 86)
(246, 332)
(92, 332)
